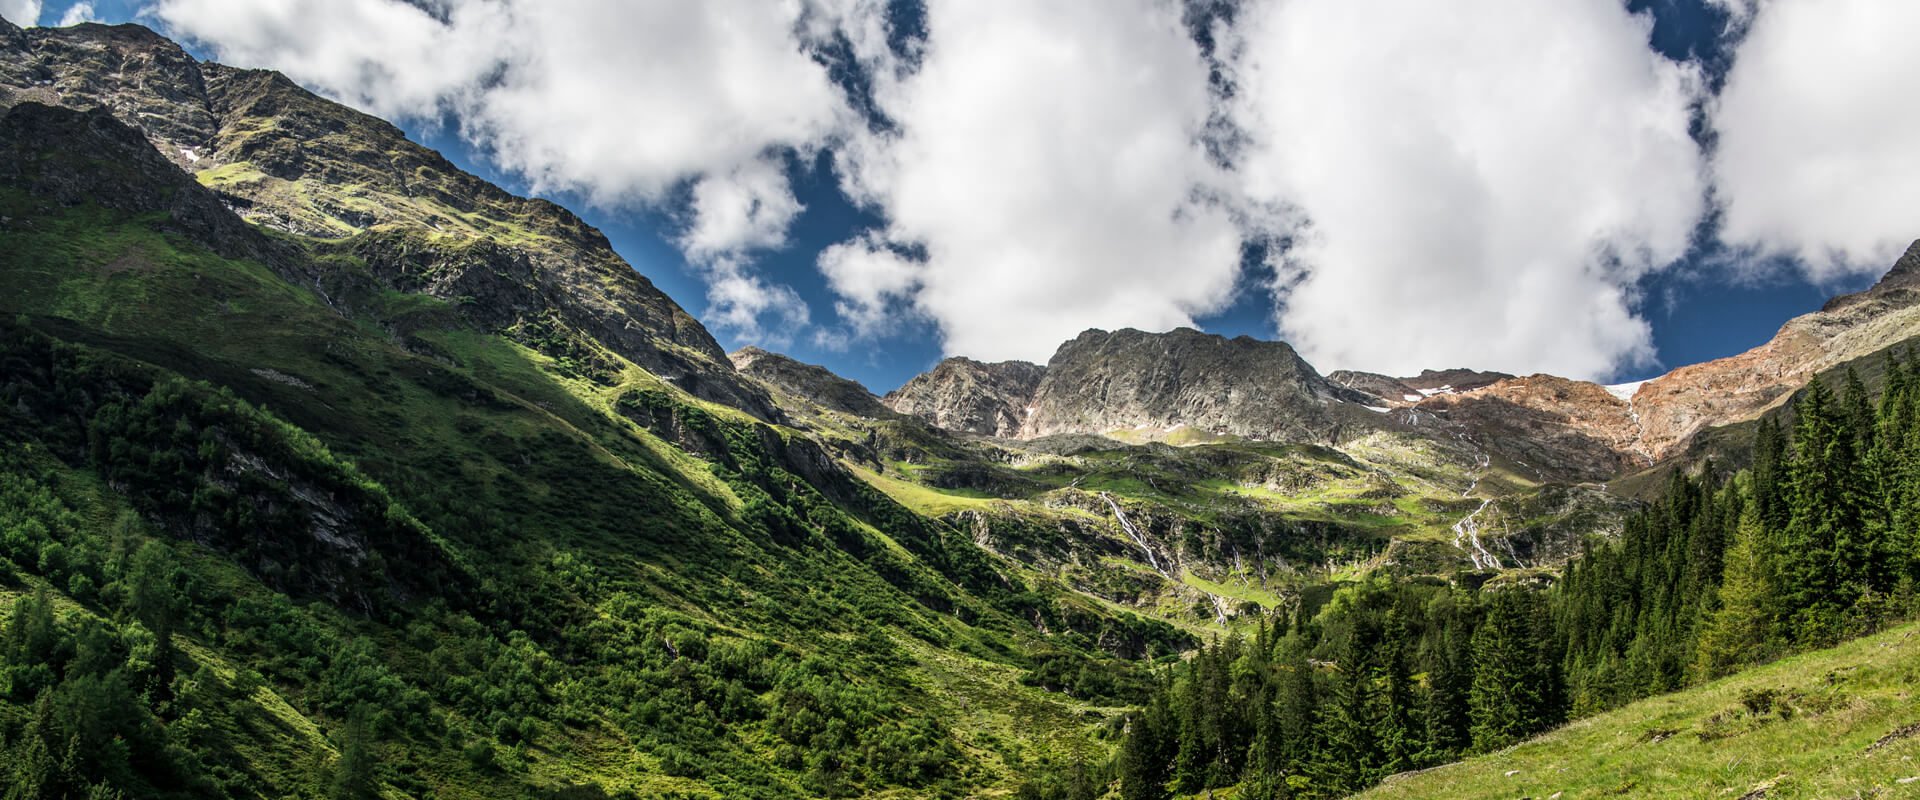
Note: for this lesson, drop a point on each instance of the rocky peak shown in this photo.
(1675, 406)
(961, 394)
(809, 382)
(1903, 277)
(144, 79)
(1155, 384)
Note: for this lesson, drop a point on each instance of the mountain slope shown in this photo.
(290, 160)
(1831, 723)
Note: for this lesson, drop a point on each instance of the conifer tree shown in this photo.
(1146, 751)
(354, 778)
(1740, 630)
(1505, 699)
(1825, 537)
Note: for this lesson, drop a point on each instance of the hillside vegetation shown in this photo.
(1841, 722)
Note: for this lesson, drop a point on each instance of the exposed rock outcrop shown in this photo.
(809, 382)
(1157, 383)
(961, 394)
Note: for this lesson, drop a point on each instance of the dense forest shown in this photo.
(1812, 544)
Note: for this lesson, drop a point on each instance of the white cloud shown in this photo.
(1483, 182)
(873, 282)
(24, 13)
(1816, 156)
(745, 209)
(1047, 162)
(744, 303)
(387, 57)
(78, 13)
(625, 103)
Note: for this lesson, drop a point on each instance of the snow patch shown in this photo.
(1376, 409)
(1624, 391)
(1411, 398)
(189, 154)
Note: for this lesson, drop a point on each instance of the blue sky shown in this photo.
(1713, 300)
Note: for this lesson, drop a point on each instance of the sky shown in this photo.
(1591, 188)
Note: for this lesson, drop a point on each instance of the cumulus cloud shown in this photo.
(1045, 167)
(24, 13)
(1482, 183)
(875, 284)
(1815, 156)
(625, 103)
(78, 13)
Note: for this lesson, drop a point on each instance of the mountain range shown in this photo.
(394, 465)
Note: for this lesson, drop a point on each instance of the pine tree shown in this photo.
(1401, 735)
(1769, 474)
(1144, 753)
(1296, 703)
(1505, 699)
(1448, 717)
(1825, 542)
(1349, 730)
(354, 777)
(1740, 630)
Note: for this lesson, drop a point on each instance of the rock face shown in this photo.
(961, 394)
(72, 157)
(1385, 390)
(1550, 427)
(1675, 406)
(1582, 431)
(283, 157)
(1139, 385)
(815, 384)
(1158, 383)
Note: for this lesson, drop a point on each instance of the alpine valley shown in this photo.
(330, 470)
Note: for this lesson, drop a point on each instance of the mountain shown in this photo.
(1674, 407)
(1136, 385)
(960, 394)
(289, 160)
(328, 468)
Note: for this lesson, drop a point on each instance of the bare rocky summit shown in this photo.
(1139, 385)
(968, 396)
(1159, 384)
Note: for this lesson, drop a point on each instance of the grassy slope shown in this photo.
(1828, 708)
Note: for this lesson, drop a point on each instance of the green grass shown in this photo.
(923, 499)
(1709, 742)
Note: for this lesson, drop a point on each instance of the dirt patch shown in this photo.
(129, 261)
(1902, 732)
